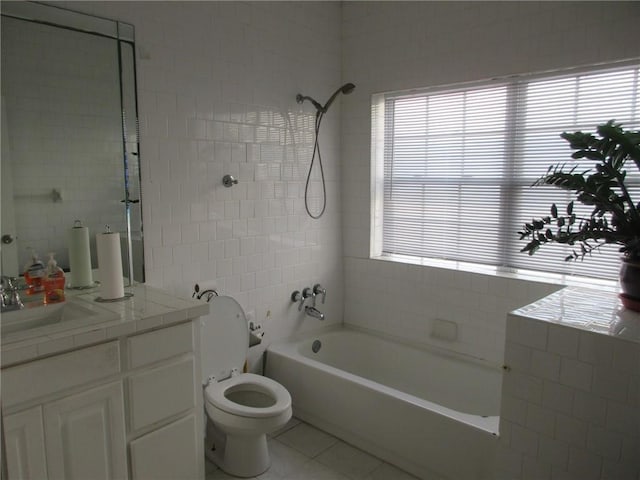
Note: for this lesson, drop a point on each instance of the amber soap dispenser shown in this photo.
(53, 282)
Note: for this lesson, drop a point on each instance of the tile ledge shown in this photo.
(513, 274)
(585, 309)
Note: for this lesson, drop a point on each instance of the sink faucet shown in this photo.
(9, 293)
(314, 312)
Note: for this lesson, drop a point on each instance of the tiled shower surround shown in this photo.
(217, 83)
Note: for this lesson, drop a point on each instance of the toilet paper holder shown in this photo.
(255, 334)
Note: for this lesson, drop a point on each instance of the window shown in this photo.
(454, 167)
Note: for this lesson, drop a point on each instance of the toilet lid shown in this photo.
(224, 338)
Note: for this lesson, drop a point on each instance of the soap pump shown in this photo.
(53, 282)
(34, 274)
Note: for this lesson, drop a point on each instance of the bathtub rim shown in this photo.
(436, 349)
(289, 348)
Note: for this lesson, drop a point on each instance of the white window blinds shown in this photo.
(458, 166)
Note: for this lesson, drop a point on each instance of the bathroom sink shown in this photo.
(69, 314)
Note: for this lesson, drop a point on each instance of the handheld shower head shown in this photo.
(346, 89)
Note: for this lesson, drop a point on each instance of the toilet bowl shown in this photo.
(242, 407)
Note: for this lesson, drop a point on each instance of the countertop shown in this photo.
(148, 308)
(586, 309)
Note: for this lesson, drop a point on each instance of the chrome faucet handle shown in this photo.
(9, 293)
(320, 290)
(308, 292)
(296, 296)
(9, 283)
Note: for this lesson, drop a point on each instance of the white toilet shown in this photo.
(243, 407)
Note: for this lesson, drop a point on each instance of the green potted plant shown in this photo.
(615, 218)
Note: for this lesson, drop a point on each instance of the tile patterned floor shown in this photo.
(302, 452)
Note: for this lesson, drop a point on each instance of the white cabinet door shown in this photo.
(168, 453)
(85, 435)
(24, 440)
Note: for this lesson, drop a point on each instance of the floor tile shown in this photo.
(214, 473)
(284, 459)
(313, 470)
(270, 474)
(349, 461)
(307, 439)
(303, 452)
(389, 472)
(293, 421)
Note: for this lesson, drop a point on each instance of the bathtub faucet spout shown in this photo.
(314, 312)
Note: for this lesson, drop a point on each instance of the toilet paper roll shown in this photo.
(110, 265)
(79, 256)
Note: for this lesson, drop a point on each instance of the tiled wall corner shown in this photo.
(569, 410)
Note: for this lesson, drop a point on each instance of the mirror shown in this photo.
(69, 135)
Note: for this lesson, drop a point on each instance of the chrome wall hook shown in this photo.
(229, 181)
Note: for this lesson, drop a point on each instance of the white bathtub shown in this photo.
(432, 414)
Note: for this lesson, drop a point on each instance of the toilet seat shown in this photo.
(216, 394)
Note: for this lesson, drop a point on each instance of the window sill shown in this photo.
(514, 274)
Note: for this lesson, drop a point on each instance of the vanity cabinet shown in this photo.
(126, 408)
(162, 392)
(85, 435)
(24, 441)
(167, 453)
(72, 432)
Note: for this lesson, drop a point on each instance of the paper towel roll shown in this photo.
(110, 265)
(79, 256)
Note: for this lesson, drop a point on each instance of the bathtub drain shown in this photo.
(316, 345)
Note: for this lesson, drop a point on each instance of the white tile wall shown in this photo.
(420, 44)
(217, 87)
(572, 414)
(408, 300)
(217, 82)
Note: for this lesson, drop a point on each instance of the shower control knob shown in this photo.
(308, 292)
(296, 296)
(320, 290)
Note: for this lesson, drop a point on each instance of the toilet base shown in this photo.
(242, 455)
